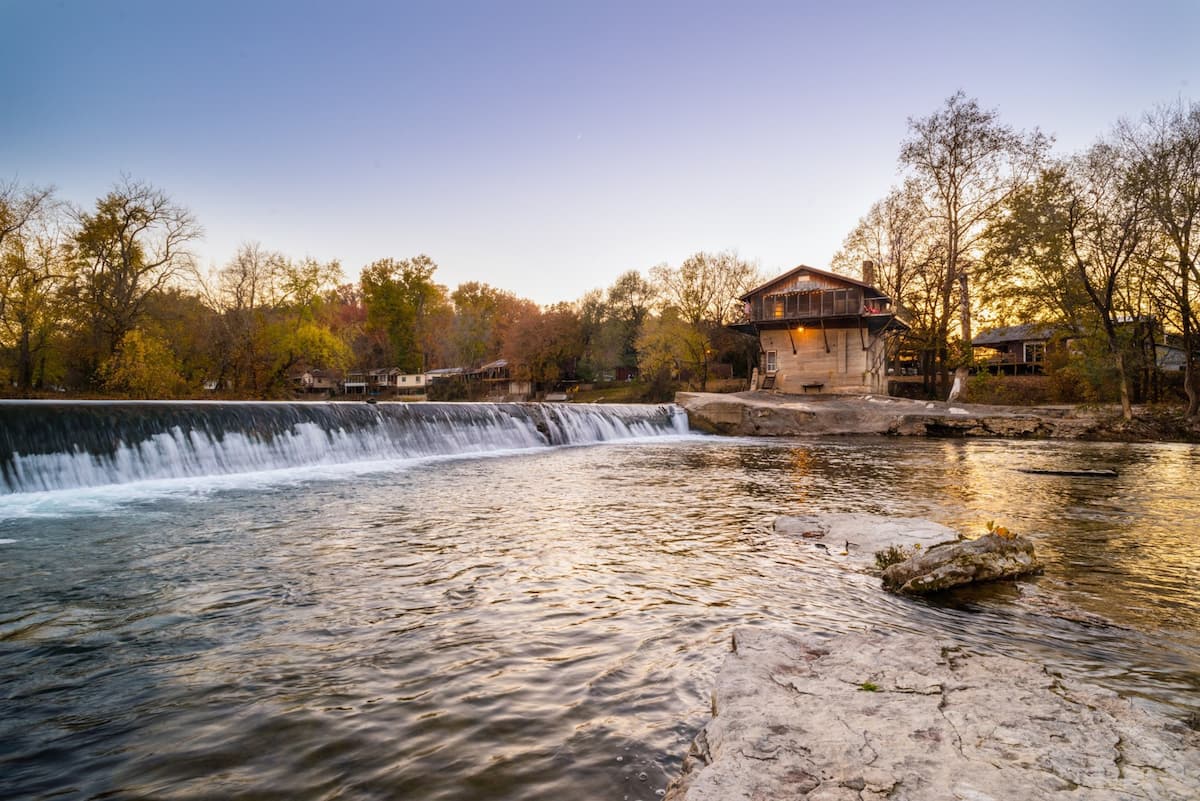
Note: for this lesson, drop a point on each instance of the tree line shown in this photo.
(986, 225)
(986, 228)
(110, 301)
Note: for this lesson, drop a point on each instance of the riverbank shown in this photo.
(901, 716)
(774, 414)
(878, 714)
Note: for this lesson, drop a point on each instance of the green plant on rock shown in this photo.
(893, 554)
(868, 687)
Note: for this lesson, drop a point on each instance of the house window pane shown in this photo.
(772, 361)
(1035, 352)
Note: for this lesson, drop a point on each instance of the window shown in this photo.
(1035, 352)
(779, 308)
(772, 361)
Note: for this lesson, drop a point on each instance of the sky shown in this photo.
(547, 147)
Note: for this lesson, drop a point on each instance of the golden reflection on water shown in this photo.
(507, 628)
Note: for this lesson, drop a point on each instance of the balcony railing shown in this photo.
(823, 304)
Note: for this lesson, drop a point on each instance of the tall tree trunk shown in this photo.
(963, 371)
(1119, 358)
(1191, 379)
(25, 365)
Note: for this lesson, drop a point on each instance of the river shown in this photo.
(530, 620)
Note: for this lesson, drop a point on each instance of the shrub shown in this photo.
(893, 554)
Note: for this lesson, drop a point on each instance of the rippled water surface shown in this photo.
(536, 625)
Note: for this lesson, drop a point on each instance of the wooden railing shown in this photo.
(824, 304)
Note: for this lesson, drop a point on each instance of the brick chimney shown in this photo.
(868, 272)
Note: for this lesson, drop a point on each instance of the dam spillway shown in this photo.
(50, 445)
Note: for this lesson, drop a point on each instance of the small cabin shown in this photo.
(819, 332)
(1013, 349)
(315, 380)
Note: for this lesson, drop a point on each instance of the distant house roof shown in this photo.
(1170, 357)
(805, 268)
(1032, 332)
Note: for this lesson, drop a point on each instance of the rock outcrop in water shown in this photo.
(772, 415)
(953, 564)
(875, 716)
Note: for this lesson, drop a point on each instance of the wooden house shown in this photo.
(384, 381)
(822, 332)
(1013, 349)
(315, 380)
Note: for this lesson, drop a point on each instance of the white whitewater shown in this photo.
(48, 446)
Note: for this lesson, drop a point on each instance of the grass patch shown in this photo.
(893, 554)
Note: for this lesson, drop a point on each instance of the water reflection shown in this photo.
(529, 627)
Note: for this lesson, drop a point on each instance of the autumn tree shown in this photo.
(544, 345)
(244, 294)
(1027, 272)
(1105, 225)
(482, 316)
(131, 245)
(142, 365)
(593, 312)
(402, 301)
(273, 319)
(33, 268)
(966, 164)
(704, 292)
(672, 346)
(628, 302)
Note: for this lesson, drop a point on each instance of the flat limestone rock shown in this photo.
(769, 414)
(953, 564)
(907, 717)
(851, 539)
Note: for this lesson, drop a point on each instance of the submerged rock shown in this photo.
(851, 539)
(952, 564)
(902, 716)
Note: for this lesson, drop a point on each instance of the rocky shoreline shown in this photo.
(774, 414)
(875, 716)
(887, 715)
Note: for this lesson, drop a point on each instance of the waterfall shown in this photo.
(51, 445)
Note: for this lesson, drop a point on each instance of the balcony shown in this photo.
(829, 304)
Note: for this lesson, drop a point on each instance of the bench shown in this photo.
(818, 386)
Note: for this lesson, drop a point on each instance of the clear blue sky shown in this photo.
(546, 147)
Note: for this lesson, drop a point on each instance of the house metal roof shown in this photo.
(1031, 332)
(805, 268)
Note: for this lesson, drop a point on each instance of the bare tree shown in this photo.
(20, 205)
(706, 287)
(243, 293)
(1165, 147)
(895, 235)
(967, 165)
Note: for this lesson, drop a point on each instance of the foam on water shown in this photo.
(67, 458)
